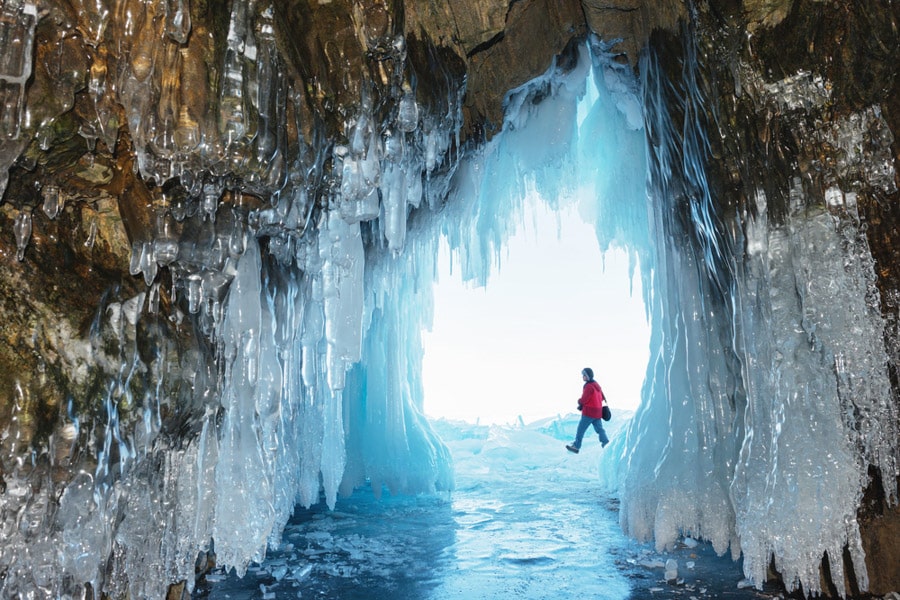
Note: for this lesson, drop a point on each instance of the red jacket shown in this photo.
(592, 400)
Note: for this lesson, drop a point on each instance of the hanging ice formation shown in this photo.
(305, 382)
(766, 400)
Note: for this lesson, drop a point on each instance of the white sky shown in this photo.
(517, 347)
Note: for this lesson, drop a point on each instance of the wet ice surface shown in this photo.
(527, 520)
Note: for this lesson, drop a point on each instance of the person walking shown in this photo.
(591, 406)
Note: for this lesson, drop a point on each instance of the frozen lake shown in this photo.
(527, 520)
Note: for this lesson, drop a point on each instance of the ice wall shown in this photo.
(305, 378)
(767, 398)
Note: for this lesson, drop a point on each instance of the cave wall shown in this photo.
(801, 111)
(102, 132)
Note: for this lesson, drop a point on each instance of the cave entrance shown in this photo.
(559, 220)
(512, 351)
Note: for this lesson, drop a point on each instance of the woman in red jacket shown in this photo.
(591, 406)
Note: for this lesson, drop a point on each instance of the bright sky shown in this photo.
(517, 347)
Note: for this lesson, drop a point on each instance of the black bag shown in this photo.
(607, 415)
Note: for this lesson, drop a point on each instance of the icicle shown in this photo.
(178, 20)
(244, 473)
(165, 244)
(394, 199)
(53, 201)
(149, 265)
(231, 101)
(187, 133)
(213, 286)
(143, 46)
(193, 293)
(22, 230)
(413, 191)
(134, 266)
(268, 88)
(209, 202)
(408, 111)
(236, 241)
(153, 299)
(343, 262)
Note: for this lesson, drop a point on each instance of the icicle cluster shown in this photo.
(298, 397)
(17, 23)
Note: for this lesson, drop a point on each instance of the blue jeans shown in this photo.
(586, 422)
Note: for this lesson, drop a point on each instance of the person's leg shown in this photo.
(583, 424)
(598, 427)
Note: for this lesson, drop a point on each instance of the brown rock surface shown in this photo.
(631, 21)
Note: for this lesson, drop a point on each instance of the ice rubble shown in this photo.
(766, 399)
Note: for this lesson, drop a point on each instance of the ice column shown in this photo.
(767, 397)
(247, 437)
(389, 441)
(343, 262)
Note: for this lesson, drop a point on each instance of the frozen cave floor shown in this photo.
(527, 520)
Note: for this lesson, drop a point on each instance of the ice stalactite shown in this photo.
(487, 193)
(295, 422)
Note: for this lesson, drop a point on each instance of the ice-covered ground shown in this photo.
(527, 520)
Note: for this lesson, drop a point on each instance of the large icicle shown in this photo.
(247, 438)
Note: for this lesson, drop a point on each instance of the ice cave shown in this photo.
(219, 231)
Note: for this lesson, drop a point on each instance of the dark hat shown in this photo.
(588, 371)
